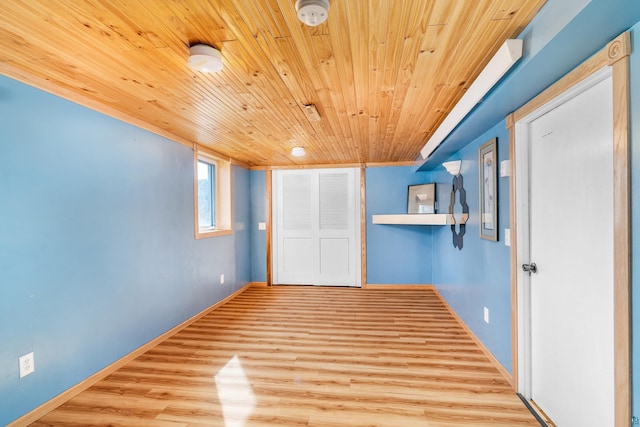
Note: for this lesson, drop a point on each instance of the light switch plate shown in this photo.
(505, 168)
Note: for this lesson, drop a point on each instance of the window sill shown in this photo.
(204, 234)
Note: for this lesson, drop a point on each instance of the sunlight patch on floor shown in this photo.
(235, 393)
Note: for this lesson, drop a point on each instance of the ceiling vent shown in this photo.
(312, 12)
(312, 112)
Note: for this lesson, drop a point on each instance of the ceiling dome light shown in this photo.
(297, 151)
(312, 12)
(205, 59)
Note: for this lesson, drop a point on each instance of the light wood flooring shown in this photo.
(308, 356)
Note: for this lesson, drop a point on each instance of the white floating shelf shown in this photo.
(411, 219)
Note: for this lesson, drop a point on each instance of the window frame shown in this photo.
(222, 195)
(211, 169)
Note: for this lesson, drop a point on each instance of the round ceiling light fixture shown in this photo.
(312, 12)
(205, 58)
(297, 151)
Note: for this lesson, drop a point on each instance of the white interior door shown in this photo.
(316, 230)
(570, 238)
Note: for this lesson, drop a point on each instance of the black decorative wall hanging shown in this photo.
(458, 234)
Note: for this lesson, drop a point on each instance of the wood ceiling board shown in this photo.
(381, 73)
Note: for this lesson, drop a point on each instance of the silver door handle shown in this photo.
(530, 268)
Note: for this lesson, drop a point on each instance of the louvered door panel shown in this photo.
(334, 203)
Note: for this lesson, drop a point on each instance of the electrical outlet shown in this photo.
(222, 279)
(486, 315)
(27, 365)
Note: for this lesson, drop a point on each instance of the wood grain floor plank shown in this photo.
(307, 356)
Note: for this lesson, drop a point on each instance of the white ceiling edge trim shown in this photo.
(508, 54)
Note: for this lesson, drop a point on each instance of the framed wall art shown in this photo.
(421, 199)
(488, 170)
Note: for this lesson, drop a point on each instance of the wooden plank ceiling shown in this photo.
(382, 73)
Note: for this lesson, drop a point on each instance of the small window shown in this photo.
(206, 195)
(212, 191)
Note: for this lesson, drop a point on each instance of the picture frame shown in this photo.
(488, 195)
(421, 199)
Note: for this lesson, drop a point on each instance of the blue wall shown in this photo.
(97, 254)
(258, 237)
(477, 276)
(396, 254)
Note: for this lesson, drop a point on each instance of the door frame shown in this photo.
(616, 57)
(360, 223)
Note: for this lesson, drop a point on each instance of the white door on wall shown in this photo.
(316, 230)
(570, 239)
